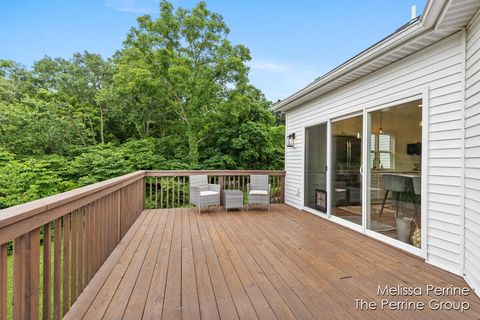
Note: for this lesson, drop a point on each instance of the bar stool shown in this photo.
(394, 183)
(417, 190)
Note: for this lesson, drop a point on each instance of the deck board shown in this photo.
(282, 264)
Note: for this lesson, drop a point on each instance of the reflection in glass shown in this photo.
(315, 167)
(346, 163)
(394, 175)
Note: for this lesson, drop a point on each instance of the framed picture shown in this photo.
(321, 200)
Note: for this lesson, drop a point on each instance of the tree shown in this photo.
(190, 64)
(79, 85)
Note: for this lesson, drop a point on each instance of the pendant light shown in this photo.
(381, 127)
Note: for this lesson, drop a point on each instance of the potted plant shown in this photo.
(404, 224)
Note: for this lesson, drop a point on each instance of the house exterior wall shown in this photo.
(439, 71)
(472, 154)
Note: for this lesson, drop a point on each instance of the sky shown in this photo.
(292, 42)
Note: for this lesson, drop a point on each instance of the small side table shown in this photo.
(232, 199)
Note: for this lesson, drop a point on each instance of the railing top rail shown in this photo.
(17, 213)
(171, 173)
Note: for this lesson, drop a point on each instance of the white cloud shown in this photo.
(278, 80)
(133, 6)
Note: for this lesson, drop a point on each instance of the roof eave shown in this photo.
(426, 23)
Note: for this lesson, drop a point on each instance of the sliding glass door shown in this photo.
(374, 176)
(394, 172)
(346, 177)
(316, 167)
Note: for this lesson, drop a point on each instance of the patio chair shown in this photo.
(259, 190)
(202, 193)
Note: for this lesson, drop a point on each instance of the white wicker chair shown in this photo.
(203, 194)
(259, 190)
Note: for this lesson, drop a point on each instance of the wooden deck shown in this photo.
(285, 264)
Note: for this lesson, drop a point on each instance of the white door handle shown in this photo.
(361, 170)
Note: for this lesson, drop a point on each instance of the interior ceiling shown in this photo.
(410, 108)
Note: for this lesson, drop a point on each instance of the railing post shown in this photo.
(119, 215)
(220, 182)
(282, 189)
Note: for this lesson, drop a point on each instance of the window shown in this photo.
(382, 151)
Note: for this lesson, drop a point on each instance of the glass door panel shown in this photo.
(316, 167)
(346, 165)
(394, 171)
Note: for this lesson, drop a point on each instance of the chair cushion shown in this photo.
(208, 193)
(258, 192)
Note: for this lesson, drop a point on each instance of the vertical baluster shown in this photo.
(81, 234)
(156, 193)
(94, 238)
(3, 281)
(173, 192)
(104, 228)
(88, 245)
(183, 191)
(167, 184)
(73, 266)
(57, 247)
(33, 273)
(150, 201)
(178, 192)
(18, 279)
(161, 192)
(66, 262)
(47, 270)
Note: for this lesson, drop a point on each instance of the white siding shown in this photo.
(472, 156)
(438, 67)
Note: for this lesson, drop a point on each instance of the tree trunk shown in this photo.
(101, 126)
(192, 148)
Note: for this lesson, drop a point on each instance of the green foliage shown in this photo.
(176, 96)
(26, 180)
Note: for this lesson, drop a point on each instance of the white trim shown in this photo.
(285, 145)
(335, 219)
(365, 171)
(471, 284)
(408, 96)
(424, 181)
(304, 157)
(395, 243)
(462, 152)
(329, 168)
(304, 142)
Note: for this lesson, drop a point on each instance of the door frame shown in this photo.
(327, 182)
(386, 103)
(374, 105)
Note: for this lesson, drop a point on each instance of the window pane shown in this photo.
(372, 142)
(384, 142)
(385, 159)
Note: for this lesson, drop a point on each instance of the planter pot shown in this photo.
(403, 228)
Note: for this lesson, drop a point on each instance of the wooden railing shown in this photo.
(169, 189)
(51, 248)
(60, 242)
